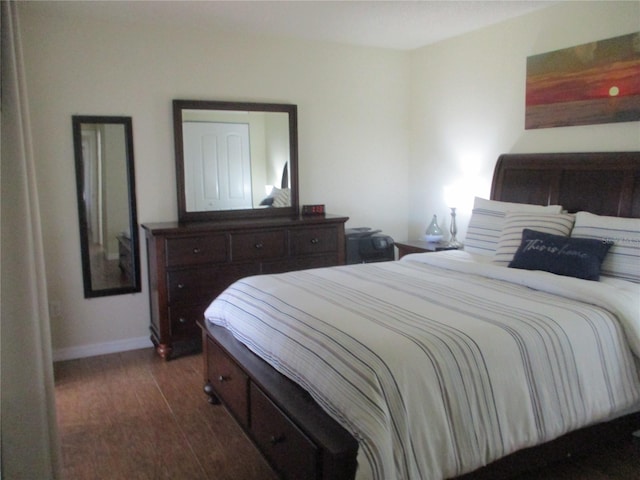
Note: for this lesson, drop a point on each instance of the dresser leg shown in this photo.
(164, 351)
(213, 398)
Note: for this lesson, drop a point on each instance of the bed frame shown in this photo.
(301, 441)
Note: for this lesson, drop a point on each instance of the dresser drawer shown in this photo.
(196, 250)
(313, 240)
(301, 263)
(183, 319)
(200, 285)
(258, 245)
(230, 383)
(276, 435)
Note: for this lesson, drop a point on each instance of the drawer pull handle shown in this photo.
(180, 286)
(315, 240)
(223, 378)
(182, 320)
(196, 250)
(276, 439)
(259, 245)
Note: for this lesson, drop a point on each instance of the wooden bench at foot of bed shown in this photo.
(295, 435)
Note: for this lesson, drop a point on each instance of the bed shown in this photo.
(450, 364)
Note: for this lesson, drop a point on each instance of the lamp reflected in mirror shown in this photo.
(103, 148)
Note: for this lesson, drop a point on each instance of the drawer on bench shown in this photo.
(292, 454)
(230, 383)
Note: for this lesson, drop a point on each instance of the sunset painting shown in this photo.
(597, 82)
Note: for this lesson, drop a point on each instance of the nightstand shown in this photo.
(420, 246)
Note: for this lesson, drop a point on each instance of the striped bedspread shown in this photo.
(438, 364)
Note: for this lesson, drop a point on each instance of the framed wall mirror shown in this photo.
(235, 159)
(103, 149)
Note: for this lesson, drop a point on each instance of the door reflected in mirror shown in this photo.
(235, 159)
(103, 148)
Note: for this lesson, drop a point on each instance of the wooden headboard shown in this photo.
(604, 183)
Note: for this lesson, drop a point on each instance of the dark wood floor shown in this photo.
(133, 416)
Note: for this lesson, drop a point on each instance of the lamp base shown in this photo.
(454, 243)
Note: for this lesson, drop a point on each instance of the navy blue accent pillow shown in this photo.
(572, 257)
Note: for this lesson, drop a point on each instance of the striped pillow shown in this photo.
(623, 259)
(282, 198)
(516, 222)
(487, 219)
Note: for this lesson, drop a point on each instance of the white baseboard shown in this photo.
(92, 350)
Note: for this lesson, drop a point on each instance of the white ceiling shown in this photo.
(395, 24)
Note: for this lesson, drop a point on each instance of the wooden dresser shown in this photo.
(190, 264)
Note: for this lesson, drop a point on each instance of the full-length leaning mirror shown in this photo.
(103, 148)
(235, 159)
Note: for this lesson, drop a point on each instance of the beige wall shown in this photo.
(380, 131)
(467, 99)
(352, 115)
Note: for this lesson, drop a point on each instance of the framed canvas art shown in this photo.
(593, 83)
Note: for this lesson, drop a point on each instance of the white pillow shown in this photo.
(516, 222)
(623, 259)
(282, 198)
(487, 219)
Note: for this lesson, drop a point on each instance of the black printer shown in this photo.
(365, 245)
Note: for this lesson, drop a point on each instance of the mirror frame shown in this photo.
(89, 290)
(251, 213)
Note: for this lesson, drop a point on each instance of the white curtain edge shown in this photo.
(37, 393)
